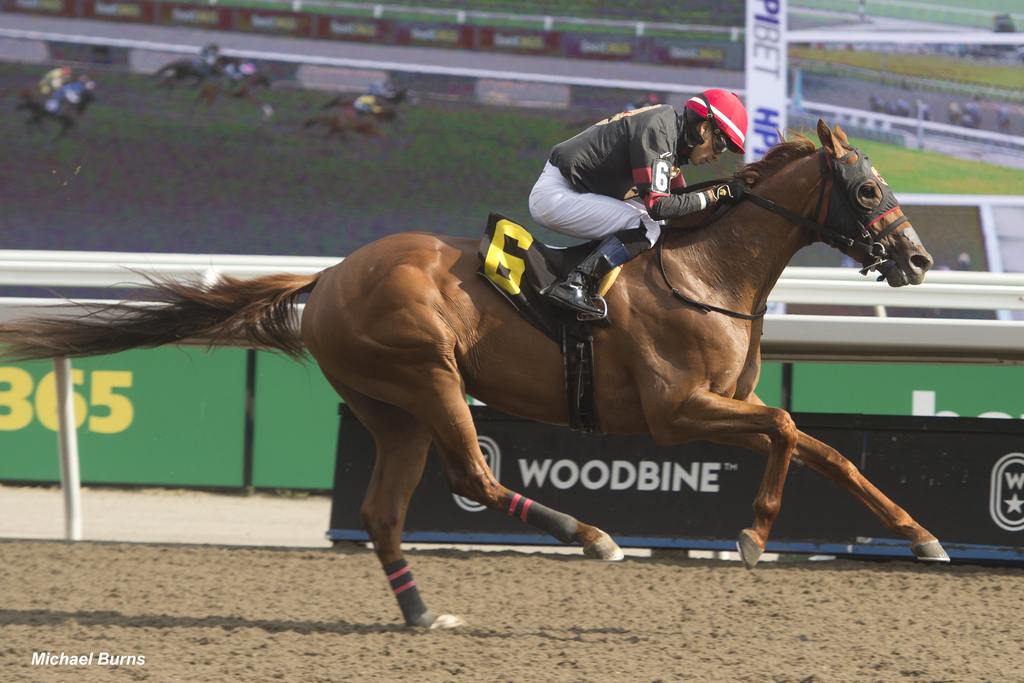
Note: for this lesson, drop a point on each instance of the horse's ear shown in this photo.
(832, 139)
(825, 135)
(840, 135)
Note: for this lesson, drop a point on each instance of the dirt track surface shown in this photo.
(230, 614)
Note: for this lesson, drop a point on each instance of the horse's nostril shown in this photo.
(921, 262)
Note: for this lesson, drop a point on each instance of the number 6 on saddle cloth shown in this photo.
(521, 267)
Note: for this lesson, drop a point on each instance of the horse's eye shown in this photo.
(868, 195)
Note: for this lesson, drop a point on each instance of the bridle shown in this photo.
(854, 229)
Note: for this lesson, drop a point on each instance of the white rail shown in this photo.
(906, 124)
(546, 20)
(314, 60)
(826, 286)
(966, 37)
(786, 337)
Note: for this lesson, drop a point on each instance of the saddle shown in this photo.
(521, 267)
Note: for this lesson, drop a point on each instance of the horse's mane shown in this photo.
(777, 157)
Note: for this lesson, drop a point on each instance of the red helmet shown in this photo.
(727, 113)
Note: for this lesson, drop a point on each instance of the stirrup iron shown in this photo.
(590, 317)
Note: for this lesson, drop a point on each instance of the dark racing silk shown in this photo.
(633, 148)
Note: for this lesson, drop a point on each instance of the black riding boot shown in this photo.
(578, 292)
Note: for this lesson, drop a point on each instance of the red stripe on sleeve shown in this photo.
(642, 175)
(678, 182)
(651, 198)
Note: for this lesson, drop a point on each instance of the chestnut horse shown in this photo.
(405, 327)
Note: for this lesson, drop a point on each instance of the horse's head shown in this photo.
(864, 219)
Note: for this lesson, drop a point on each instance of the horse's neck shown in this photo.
(735, 262)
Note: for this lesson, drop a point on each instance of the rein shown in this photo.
(719, 211)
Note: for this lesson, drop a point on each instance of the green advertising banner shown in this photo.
(920, 390)
(163, 416)
(769, 386)
(295, 430)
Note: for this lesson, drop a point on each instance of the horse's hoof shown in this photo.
(446, 621)
(930, 551)
(749, 548)
(604, 548)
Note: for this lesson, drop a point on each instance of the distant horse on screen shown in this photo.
(64, 115)
(241, 79)
(404, 328)
(190, 70)
(340, 122)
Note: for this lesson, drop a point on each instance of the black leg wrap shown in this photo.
(558, 524)
(407, 594)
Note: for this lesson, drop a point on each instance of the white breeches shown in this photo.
(556, 205)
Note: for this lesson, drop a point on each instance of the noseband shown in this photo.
(854, 231)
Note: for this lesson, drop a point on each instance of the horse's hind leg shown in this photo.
(454, 433)
(402, 444)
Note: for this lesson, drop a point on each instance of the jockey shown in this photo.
(580, 192)
(238, 70)
(54, 79)
(370, 103)
(72, 92)
(366, 104)
(208, 56)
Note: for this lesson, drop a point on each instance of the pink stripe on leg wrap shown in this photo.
(512, 505)
(404, 587)
(526, 506)
(400, 572)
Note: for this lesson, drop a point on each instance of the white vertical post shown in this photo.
(921, 104)
(993, 253)
(766, 75)
(67, 437)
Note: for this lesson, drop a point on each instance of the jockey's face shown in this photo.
(707, 151)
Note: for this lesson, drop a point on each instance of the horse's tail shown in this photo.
(256, 312)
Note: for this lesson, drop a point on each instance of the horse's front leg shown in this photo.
(831, 464)
(828, 462)
(66, 122)
(706, 415)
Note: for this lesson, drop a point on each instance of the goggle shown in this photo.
(719, 143)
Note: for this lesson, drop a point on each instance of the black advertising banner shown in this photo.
(963, 479)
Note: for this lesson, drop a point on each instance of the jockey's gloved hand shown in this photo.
(726, 192)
